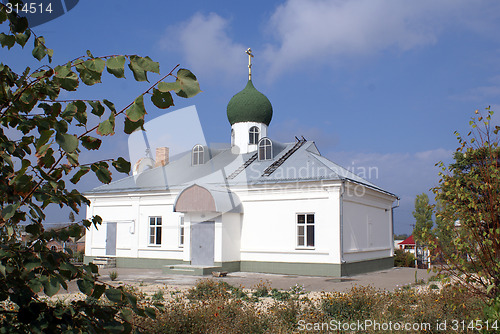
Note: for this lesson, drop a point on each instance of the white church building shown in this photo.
(255, 205)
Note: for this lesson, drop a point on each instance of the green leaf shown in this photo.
(7, 40)
(146, 64)
(95, 65)
(51, 286)
(168, 86)
(162, 100)
(39, 51)
(97, 108)
(132, 126)
(72, 158)
(91, 143)
(150, 312)
(69, 112)
(139, 73)
(107, 127)
(121, 165)
(9, 210)
(114, 295)
(18, 24)
(189, 85)
(45, 135)
(101, 171)
(22, 38)
(81, 113)
(136, 111)
(68, 82)
(99, 289)
(67, 142)
(110, 105)
(85, 286)
(115, 66)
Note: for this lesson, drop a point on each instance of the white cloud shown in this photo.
(204, 42)
(328, 32)
(320, 31)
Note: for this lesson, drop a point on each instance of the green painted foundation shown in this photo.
(287, 268)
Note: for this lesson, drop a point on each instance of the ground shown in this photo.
(149, 281)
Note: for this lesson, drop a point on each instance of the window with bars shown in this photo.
(181, 232)
(265, 149)
(305, 230)
(198, 155)
(253, 135)
(155, 230)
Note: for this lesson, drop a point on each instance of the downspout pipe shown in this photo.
(341, 209)
(392, 224)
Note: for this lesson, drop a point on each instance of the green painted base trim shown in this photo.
(290, 268)
(143, 263)
(361, 267)
(287, 268)
(229, 266)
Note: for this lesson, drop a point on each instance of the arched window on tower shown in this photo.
(198, 157)
(254, 135)
(232, 137)
(265, 149)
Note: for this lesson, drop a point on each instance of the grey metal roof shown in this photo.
(305, 164)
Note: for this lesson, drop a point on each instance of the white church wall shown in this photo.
(169, 248)
(366, 225)
(269, 228)
(231, 237)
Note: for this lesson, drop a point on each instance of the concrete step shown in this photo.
(186, 269)
(104, 262)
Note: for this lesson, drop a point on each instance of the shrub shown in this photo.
(113, 275)
(403, 259)
(158, 296)
(209, 289)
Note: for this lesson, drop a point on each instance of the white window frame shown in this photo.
(182, 232)
(198, 155)
(264, 144)
(254, 135)
(155, 225)
(304, 233)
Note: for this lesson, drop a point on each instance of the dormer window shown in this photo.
(265, 149)
(198, 152)
(254, 135)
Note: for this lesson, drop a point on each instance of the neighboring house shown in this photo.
(408, 245)
(256, 205)
(422, 253)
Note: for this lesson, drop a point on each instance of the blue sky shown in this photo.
(375, 83)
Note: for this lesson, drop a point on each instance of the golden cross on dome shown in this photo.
(250, 56)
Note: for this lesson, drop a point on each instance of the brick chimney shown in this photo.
(161, 156)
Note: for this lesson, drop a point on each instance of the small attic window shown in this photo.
(265, 149)
(198, 152)
(254, 135)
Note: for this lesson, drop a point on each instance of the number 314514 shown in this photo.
(30, 7)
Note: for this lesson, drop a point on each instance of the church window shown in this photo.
(181, 232)
(232, 137)
(198, 152)
(305, 230)
(155, 230)
(265, 149)
(254, 135)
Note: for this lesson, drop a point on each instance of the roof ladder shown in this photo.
(269, 170)
(242, 167)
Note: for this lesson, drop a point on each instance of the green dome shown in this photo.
(249, 105)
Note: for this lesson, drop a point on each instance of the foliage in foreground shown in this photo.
(467, 235)
(41, 140)
(223, 312)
